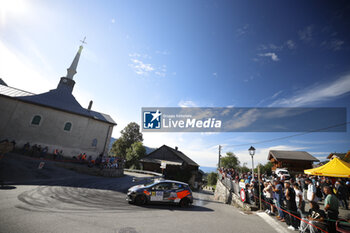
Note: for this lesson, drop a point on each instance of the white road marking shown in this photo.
(272, 222)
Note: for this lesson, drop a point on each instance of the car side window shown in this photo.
(177, 186)
(161, 187)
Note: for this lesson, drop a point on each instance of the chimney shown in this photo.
(90, 105)
(176, 148)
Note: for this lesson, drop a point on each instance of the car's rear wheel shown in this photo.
(140, 200)
(184, 202)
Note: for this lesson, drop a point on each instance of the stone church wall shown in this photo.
(15, 124)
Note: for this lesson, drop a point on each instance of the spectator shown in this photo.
(315, 219)
(278, 191)
(268, 193)
(291, 206)
(5, 147)
(342, 194)
(26, 148)
(44, 151)
(55, 154)
(299, 199)
(311, 191)
(60, 154)
(331, 204)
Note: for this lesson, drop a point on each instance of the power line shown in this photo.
(290, 136)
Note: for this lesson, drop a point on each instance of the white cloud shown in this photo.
(290, 44)
(187, 103)
(333, 44)
(242, 119)
(273, 56)
(243, 30)
(317, 93)
(306, 34)
(113, 20)
(162, 52)
(141, 68)
(276, 94)
(144, 69)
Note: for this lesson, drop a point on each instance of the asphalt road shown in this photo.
(58, 200)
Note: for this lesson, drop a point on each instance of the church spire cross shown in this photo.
(83, 41)
(72, 70)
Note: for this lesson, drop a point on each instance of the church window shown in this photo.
(94, 142)
(67, 126)
(36, 120)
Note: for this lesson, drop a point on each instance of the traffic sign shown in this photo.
(242, 192)
(41, 165)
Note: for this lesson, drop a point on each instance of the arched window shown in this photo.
(94, 142)
(67, 126)
(36, 120)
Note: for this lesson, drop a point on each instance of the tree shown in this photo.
(244, 169)
(229, 161)
(267, 168)
(133, 155)
(129, 135)
(212, 178)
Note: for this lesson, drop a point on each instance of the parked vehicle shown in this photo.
(282, 172)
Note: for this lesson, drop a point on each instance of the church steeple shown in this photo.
(67, 83)
(72, 70)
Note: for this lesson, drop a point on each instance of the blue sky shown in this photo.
(187, 53)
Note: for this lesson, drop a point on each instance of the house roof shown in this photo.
(2, 82)
(12, 92)
(291, 155)
(343, 156)
(168, 154)
(58, 99)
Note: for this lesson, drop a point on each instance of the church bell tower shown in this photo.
(67, 83)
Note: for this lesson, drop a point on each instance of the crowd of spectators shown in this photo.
(286, 199)
(40, 151)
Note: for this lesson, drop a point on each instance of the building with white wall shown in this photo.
(54, 119)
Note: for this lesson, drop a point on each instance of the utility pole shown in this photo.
(259, 187)
(219, 165)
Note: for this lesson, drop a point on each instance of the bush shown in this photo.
(212, 178)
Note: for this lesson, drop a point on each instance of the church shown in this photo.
(54, 119)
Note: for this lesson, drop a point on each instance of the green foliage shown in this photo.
(212, 178)
(129, 135)
(229, 161)
(244, 169)
(265, 168)
(134, 154)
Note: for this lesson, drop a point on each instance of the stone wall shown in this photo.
(15, 124)
(224, 195)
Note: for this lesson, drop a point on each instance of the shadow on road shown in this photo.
(59, 190)
(7, 187)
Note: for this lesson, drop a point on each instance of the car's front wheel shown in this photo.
(184, 202)
(140, 200)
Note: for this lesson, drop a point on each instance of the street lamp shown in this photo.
(252, 152)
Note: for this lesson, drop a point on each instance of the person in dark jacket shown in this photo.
(291, 207)
(342, 194)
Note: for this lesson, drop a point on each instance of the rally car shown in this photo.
(161, 191)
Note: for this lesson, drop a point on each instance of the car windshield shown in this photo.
(284, 172)
(149, 183)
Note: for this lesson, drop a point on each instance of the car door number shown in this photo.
(157, 196)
